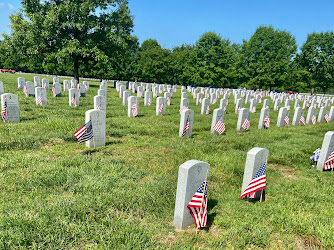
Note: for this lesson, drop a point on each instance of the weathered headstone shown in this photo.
(310, 113)
(20, 82)
(186, 123)
(243, 114)
(205, 106)
(148, 98)
(30, 89)
(256, 157)
(12, 102)
(125, 95)
(191, 175)
(326, 149)
(160, 106)
(217, 114)
(321, 114)
(73, 97)
(133, 106)
(40, 96)
(100, 103)
(263, 115)
(98, 118)
(296, 116)
(281, 116)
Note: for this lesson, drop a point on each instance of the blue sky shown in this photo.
(175, 22)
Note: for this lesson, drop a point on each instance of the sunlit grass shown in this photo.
(55, 193)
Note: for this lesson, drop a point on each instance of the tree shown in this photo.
(215, 60)
(63, 34)
(265, 58)
(317, 58)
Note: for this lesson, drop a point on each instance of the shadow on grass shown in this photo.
(211, 216)
(113, 142)
(28, 119)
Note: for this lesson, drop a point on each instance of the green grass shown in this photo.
(57, 194)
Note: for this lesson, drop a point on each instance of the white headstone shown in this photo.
(276, 105)
(132, 105)
(243, 114)
(263, 115)
(160, 106)
(125, 95)
(310, 113)
(66, 84)
(326, 149)
(256, 157)
(73, 83)
(140, 92)
(205, 106)
(20, 82)
(148, 98)
(296, 116)
(1, 88)
(30, 89)
(86, 84)
(238, 106)
(45, 83)
(82, 90)
(223, 104)
(187, 116)
(199, 99)
(55, 79)
(217, 114)
(73, 97)
(281, 116)
(40, 95)
(331, 113)
(57, 87)
(102, 92)
(252, 106)
(98, 119)
(265, 103)
(12, 102)
(321, 114)
(100, 101)
(37, 81)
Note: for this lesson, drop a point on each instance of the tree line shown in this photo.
(95, 39)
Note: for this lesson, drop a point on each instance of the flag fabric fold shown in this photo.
(85, 133)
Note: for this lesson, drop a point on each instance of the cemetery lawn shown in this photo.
(56, 193)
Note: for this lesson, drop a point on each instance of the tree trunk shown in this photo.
(76, 68)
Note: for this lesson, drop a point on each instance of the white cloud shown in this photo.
(10, 6)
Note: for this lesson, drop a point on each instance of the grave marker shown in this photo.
(30, 89)
(321, 114)
(281, 116)
(326, 149)
(98, 119)
(264, 114)
(148, 98)
(73, 97)
(20, 82)
(186, 123)
(160, 106)
(217, 114)
(133, 108)
(37, 81)
(40, 96)
(310, 113)
(205, 106)
(296, 116)
(125, 95)
(243, 114)
(12, 102)
(100, 103)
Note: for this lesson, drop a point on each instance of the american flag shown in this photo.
(4, 113)
(45, 85)
(134, 110)
(25, 90)
(326, 117)
(287, 119)
(161, 108)
(246, 123)
(257, 183)
(214, 101)
(35, 83)
(40, 100)
(200, 100)
(198, 205)
(54, 91)
(184, 107)
(86, 87)
(238, 110)
(186, 127)
(207, 110)
(254, 109)
(260, 100)
(130, 85)
(140, 93)
(302, 119)
(314, 118)
(149, 101)
(84, 133)
(160, 90)
(220, 125)
(329, 163)
(266, 122)
(288, 107)
(307, 106)
(98, 105)
(156, 93)
(168, 101)
(225, 109)
(79, 90)
(74, 100)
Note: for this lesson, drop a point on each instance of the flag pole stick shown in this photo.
(205, 187)
(262, 189)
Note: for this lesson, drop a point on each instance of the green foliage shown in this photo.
(317, 59)
(265, 58)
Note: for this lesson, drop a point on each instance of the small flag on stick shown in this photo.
(85, 133)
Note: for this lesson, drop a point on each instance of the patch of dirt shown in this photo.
(167, 240)
(308, 242)
(287, 172)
